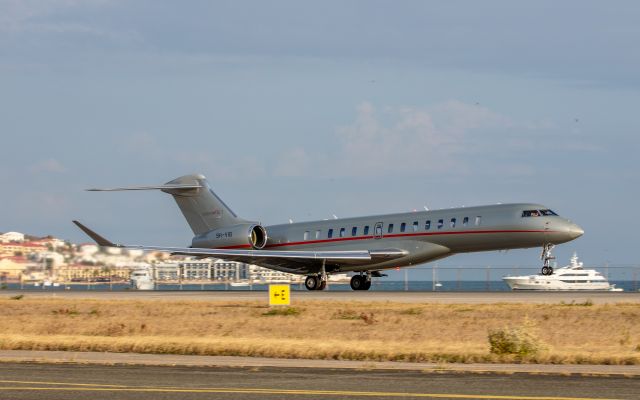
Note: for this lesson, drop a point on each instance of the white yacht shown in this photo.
(572, 277)
(142, 279)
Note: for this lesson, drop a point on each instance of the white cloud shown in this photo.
(399, 141)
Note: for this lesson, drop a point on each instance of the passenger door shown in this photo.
(377, 230)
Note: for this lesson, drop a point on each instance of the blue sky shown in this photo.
(303, 110)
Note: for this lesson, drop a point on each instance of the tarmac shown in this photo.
(368, 296)
(72, 375)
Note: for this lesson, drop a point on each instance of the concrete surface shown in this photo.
(79, 381)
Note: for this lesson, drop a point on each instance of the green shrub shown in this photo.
(517, 341)
(586, 303)
(286, 311)
(411, 311)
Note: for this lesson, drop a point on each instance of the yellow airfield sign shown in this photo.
(279, 295)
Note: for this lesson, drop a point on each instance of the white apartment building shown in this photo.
(12, 237)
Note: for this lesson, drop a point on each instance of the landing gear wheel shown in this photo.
(322, 286)
(367, 285)
(547, 270)
(357, 282)
(312, 282)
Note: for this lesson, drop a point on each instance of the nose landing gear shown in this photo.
(546, 258)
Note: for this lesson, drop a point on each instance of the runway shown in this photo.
(77, 381)
(383, 296)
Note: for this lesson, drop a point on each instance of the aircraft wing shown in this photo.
(300, 262)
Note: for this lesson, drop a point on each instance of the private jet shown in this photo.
(365, 246)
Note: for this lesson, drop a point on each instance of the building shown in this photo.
(230, 271)
(12, 268)
(88, 249)
(51, 242)
(166, 271)
(12, 237)
(196, 269)
(22, 248)
(91, 273)
(265, 275)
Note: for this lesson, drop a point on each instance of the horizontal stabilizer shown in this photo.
(159, 187)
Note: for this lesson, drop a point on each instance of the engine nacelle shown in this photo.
(232, 236)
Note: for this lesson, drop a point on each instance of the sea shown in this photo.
(377, 285)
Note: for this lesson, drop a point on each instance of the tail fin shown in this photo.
(202, 208)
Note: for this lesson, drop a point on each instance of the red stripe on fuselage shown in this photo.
(396, 235)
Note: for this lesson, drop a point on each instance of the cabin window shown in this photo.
(390, 228)
(354, 231)
(330, 233)
(318, 234)
(415, 226)
(465, 221)
(366, 230)
(342, 231)
(453, 223)
(478, 220)
(427, 225)
(306, 235)
(440, 223)
(403, 227)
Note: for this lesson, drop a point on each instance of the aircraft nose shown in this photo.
(575, 231)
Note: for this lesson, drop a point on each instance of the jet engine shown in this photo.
(240, 236)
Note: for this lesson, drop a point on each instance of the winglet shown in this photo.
(101, 241)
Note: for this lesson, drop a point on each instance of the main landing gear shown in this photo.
(546, 258)
(361, 282)
(315, 282)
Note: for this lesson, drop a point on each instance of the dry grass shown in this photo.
(579, 333)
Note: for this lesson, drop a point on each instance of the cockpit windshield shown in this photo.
(537, 213)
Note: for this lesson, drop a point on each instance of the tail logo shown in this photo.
(217, 213)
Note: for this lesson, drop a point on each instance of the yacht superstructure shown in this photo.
(142, 279)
